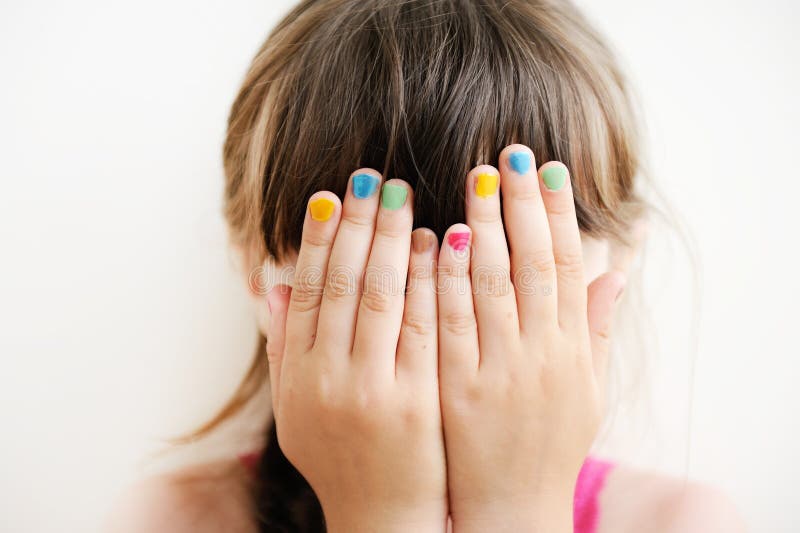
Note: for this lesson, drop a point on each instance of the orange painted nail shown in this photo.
(321, 209)
(486, 185)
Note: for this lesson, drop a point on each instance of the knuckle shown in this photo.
(390, 232)
(459, 322)
(315, 240)
(308, 279)
(568, 258)
(561, 207)
(417, 323)
(364, 409)
(526, 195)
(542, 262)
(304, 299)
(420, 270)
(468, 394)
(492, 282)
(420, 278)
(341, 282)
(485, 216)
(380, 287)
(357, 222)
(453, 278)
(420, 287)
(569, 263)
(377, 301)
(415, 415)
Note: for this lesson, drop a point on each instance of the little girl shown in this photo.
(452, 376)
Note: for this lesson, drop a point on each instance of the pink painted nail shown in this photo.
(458, 241)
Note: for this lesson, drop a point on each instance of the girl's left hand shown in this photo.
(522, 349)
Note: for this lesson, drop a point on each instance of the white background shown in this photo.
(122, 322)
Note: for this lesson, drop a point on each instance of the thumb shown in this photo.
(603, 294)
(278, 303)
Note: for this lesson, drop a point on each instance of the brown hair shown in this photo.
(421, 90)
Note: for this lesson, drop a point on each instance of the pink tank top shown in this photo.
(585, 509)
(586, 512)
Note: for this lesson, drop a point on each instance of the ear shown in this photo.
(269, 287)
(262, 278)
(257, 276)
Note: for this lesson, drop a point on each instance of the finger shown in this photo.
(417, 347)
(532, 263)
(380, 310)
(278, 302)
(603, 294)
(567, 251)
(319, 229)
(494, 299)
(337, 315)
(458, 327)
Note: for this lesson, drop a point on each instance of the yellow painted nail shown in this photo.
(321, 209)
(486, 185)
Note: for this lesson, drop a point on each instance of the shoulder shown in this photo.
(636, 500)
(208, 497)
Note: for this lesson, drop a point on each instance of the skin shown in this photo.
(354, 385)
(521, 358)
(416, 390)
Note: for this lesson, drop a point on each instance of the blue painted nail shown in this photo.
(364, 185)
(520, 162)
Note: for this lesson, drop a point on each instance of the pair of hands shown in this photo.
(410, 383)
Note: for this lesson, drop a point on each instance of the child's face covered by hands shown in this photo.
(410, 380)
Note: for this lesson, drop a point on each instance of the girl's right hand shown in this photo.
(354, 376)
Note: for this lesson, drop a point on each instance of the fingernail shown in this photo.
(364, 185)
(321, 209)
(422, 241)
(393, 196)
(520, 162)
(554, 177)
(486, 185)
(458, 240)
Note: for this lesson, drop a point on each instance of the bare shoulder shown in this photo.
(209, 497)
(635, 500)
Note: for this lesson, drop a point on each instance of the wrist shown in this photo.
(519, 515)
(370, 518)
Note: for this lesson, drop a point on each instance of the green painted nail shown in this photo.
(554, 177)
(393, 196)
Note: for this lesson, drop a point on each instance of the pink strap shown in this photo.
(591, 479)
